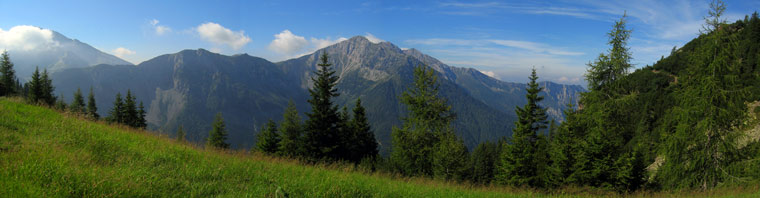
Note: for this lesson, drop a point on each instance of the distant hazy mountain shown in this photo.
(61, 53)
(189, 87)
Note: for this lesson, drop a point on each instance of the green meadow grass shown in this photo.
(45, 153)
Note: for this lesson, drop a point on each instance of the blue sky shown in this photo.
(501, 38)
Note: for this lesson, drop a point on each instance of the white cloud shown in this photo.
(159, 29)
(26, 38)
(287, 43)
(122, 52)
(322, 43)
(373, 38)
(219, 35)
(490, 73)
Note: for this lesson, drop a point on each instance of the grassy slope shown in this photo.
(47, 154)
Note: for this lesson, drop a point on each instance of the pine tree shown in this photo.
(47, 89)
(364, 138)
(181, 134)
(483, 162)
(92, 108)
(35, 87)
(7, 76)
(131, 117)
(268, 139)
(428, 119)
(322, 133)
(60, 103)
(292, 135)
(519, 165)
(141, 122)
(116, 115)
(217, 137)
(77, 105)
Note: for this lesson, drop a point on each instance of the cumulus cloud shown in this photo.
(217, 34)
(26, 38)
(159, 29)
(490, 73)
(122, 52)
(287, 43)
(372, 38)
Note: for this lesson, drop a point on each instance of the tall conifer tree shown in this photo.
(322, 132)
(217, 137)
(7, 76)
(292, 133)
(92, 108)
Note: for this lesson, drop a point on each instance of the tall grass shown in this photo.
(45, 153)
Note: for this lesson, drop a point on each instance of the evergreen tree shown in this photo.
(612, 66)
(292, 135)
(268, 139)
(116, 115)
(77, 105)
(322, 132)
(181, 134)
(131, 117)
(450, 157)
(519, 165)
(483, 162)
(47, 89)
(703, 143)
(363, 137)
(35, 87)
(429, 118)
(7, 76)
(92, 108)
(141, 122)
(60, 103)
(217, 137)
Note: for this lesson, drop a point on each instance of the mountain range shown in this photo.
(189, 87)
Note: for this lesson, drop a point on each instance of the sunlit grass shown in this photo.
(45, 153)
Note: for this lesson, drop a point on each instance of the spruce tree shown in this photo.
(483, 162)
(77, 105)
(141, 122)
(131, 117)
(291, 144)
(60, 103)
(7, 76)
(428, 119)
(217, 137)
(92, 108)
(268, 139)
(116, 115)
(181, 134)
(363, 137)
(519, 160)
(35, 87)
(322, 132)
(47, 89)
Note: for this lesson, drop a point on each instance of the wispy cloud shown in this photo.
(525, 45)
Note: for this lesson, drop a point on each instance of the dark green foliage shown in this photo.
(77, 105)
(60, 103)
(92, 108)
(450, 157)
(116, 115)
(291, 144)
(322, 138)
(141, 122)
(40, 88)
(181, 134)
(268, 139)
(612, 66)
(484, 161)
(522, 163)
(429, 120)
(131, 116)
(217, 137)
(8, 83)
(362, 142)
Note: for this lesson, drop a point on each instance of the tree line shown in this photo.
(39, 90)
